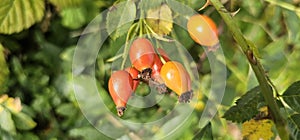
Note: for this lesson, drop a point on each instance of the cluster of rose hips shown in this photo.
(157, 69)
(150, 67)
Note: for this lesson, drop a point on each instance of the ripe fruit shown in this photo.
(203, 30)
(177, 79)
(120, 87)
(156, 80)
(134, 74)
(141, 55)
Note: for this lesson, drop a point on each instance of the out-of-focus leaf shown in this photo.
(23, 121)
(73, 17)
(17, 15)
(246, 107)
(274, 52)
(160, 19)
(65, 3)
(205, 133)
(292, 96)
(67, 109)
(87, 133)
(4, 71)
(294, 126)
(27, 136)
(147, 4)
(254, 7)
(292, 22)
(257, 129)
(6, 122)
(119, 18)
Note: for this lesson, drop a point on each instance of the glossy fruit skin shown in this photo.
(120, 87)
(142, 54)
(134, 74)
(203, 30)
(176, 77)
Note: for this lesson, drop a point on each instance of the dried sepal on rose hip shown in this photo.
(203, 31)
(156, 80)
(177, 79)
(142, 55)
(120, 87)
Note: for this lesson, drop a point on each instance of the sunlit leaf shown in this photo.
(4, 71)
(160, 19)
(17, 15)
(246, 107)
(23, 121)
(65, 3)
(73, 17)
(6, 122)
(294, 126)
(119, 18)
(292, 96)
(257, 129)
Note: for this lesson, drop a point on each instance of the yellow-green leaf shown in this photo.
(17, 15)
(23, 121)
(65, 3)
(4, 71)
(6, 122)
(160, 19)
(257, 129)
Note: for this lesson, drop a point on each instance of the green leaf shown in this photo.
(87, 133)
(246, 107)
(65, 3)
(23, 121)
(292, 23)
(119, 18)
(67, 109)
(274, 52)
(160, 19)
(292, 96)
(205, 133)
(6, 122)
(146, 5)
(294, 126)
(73, 17)
(17, 15)
(4, 71)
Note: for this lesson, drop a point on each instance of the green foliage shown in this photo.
(292, 96)
(17, 15)
(205, 133)
(146, 5)
(246, 107)
(119, 18)
(4, 71)
(294, 126)
(65, 3)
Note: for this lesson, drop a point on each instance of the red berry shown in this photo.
(120, 87)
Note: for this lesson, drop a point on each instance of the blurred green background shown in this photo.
(36, 51)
